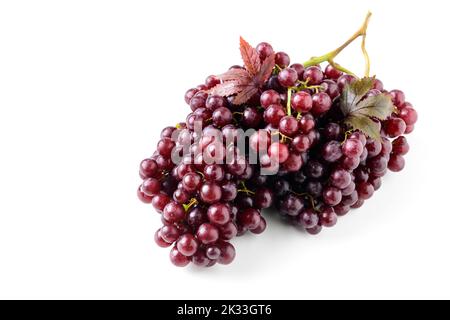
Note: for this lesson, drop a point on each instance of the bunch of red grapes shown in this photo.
(323, 167)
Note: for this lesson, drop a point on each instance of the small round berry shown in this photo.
(282, 59)
(287, 77)
(177, 258)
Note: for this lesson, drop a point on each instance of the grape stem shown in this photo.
(330, 56)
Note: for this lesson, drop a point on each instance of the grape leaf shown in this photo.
(354, 92)
(250, 57)
(359, 112)
(266, 70)
(226, 89)
(240, 76)
(364, 124)
(244, 83)
(245, 95)
(379, 107)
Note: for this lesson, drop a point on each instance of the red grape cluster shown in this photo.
(311, 165)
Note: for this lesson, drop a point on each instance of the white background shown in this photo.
(86, 86)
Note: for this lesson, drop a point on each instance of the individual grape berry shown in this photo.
(187, 245)
(340, 178)
(269, 97)
(222, 116)
(307, 123)
(260, 141)
(386, 147)
(173, 212)
(159, 202)
(228, 231)
(301, 143)
(288, 126)
(219, 213)
(215, 102)
(148, 168)
(351, 199)
(282, 59)
(332, 131)
(213, 252)
(327, 217)
(291, 205)
(299, 68)
(211, 81)
(321, 103)
(396, 163)
(273, 114)
(251, 117)
(197, 102)
(227, 253)
(293, 163)
(332, 73)
(409, 115)
(159, 240)
(314, 230)
(378, 85)
(409, 129)
(210, 192)
(358, 135)
(376, 183)
(377, 165)
(341, 210)
(308, 219)
(301, 101)
(280, 187)
(361, 174)
(314, 188)
(345, 80)
(207, 233)
(229, 191)
(358, 204)
(191, 181)
(214, 172)
(287, 77)
(279, 151)
(349, 163)
(200, 259)
(315, 169)
(331, 196)
(196, 217)
(177, 258)
(181, 195)
(332, 151)
(261, 227)
(189, 94)
(150, 186)
(395, 127)
(249, 218)
(352, 148)
(169, 233)
(331, 88)
(263, 198)
(373, 148)
(264, 50)
(143, 197)
(398, 97)
(365, 190)
(313, 75)
(400, 146)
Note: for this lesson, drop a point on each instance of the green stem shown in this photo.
(288, 103)
(329, 57)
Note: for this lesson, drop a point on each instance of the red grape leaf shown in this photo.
(240, 76)
(245, 83)
(226, 89)
(266, 70)
(360, 111)
(245, 95)
(250, 57)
